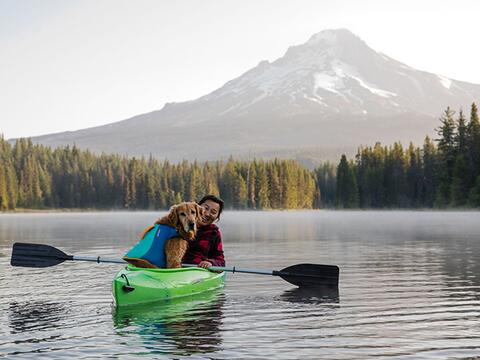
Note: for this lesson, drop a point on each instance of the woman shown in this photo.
(206, 250)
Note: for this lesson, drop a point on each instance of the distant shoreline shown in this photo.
(91, 210)
(62, 210)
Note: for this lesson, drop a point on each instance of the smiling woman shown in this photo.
(207, 250)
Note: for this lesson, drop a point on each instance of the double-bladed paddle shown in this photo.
(302, 275)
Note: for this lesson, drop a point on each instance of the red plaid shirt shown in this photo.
(207, 246)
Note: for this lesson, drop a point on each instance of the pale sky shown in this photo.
(68, 65)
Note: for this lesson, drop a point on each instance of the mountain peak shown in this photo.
(332, 37)
(337, 43)
(334, 72)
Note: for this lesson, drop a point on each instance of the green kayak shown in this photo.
(132, 285)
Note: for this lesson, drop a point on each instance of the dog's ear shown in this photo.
(173, 216)
(200, 210)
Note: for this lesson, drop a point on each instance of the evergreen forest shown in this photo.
(36, 177)
(443, 173)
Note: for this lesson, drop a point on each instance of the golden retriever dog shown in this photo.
(183, 217)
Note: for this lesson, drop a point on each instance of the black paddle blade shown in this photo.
(37, 255)
(310, 275)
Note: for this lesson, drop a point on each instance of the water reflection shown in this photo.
(189, 325)
(35, 315)
(312, 295)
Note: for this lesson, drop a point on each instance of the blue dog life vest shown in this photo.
(150, 250)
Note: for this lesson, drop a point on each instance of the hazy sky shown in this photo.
(67, 65)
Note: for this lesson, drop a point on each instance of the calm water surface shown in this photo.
(409, 288)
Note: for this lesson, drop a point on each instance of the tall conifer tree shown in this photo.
(460, 183)
(347, 191)
(447, 152)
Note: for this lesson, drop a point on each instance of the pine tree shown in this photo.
(251, 176)
(151, 184)
(275, 190)
(228, 183)
(326, 180)
(395, 182)
(8, 183)
(473, 144)
(460, 183)
(430, 169)
(4, 201)
(195, 186)
(240, 197)
(347, 191)
(210, 176)
(414, 176)
(262, 188)
(289, 181)
(447, 152)
(370, 173)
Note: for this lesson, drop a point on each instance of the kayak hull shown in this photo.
(133, 286)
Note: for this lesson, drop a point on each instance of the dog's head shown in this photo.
(184, 218)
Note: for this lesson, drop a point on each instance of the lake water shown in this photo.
(409, 288)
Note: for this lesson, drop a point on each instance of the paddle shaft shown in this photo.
(234, 269)
(97, 259)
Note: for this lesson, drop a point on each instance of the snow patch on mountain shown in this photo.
(317, 99)
(335, 82)
(373, 89)
(446, 82)
(327, 82)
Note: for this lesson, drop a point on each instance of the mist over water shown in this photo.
(409, 288)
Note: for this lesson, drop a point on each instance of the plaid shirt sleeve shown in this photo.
(206, 247)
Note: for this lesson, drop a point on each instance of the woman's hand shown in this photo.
(205, 264)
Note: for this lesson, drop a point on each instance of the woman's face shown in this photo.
(210, 212)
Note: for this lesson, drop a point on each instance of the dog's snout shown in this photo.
(191, 224)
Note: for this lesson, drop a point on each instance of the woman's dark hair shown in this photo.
(215, 200)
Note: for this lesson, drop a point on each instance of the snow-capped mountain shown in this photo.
(326, 96)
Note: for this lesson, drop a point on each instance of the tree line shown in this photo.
(445, 172)
(34, 176)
